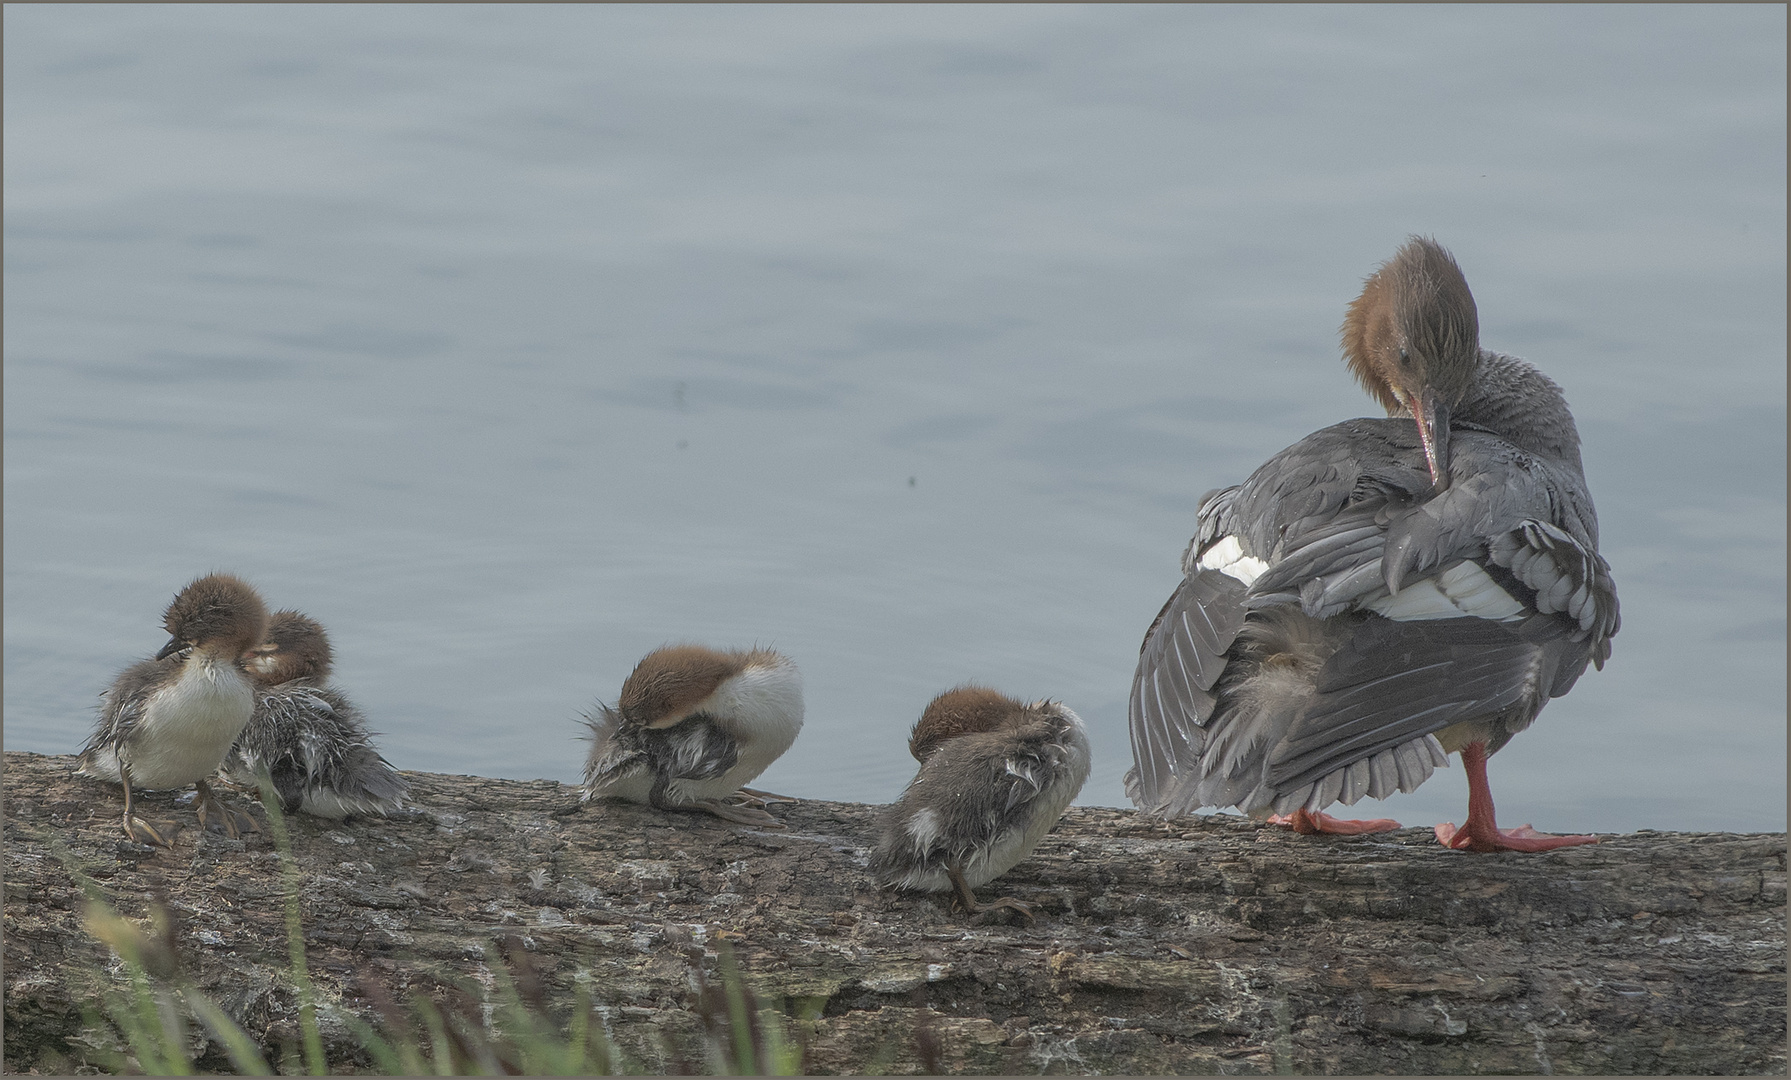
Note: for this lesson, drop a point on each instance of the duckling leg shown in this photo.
(143, 832)
(765, 797)
(1307, 823)
(971, 907)
(234, 823)
(1482, 833)
(744, 815)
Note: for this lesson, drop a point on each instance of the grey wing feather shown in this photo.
(1394, 682)
(1567, 576)
(1184, 654)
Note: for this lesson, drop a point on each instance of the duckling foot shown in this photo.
(233, 823)
(967, 899)
(764, 798)
(742, 815)
(1020, 908)
(160, 834)
(1307, 823)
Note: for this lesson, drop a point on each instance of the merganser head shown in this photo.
(1413, 340)
(670, 684)
(295, 647)
(219, 615)
(965, 710)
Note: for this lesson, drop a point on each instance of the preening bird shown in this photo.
(692, 725)
(1383, 592)
(995, 775)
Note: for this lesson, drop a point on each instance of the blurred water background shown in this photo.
(512, 342)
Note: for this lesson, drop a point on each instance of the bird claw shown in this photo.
(1523, 838)
(1307, 823)
(755, 797)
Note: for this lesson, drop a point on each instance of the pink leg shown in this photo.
(1482, 832)
(1307, 823)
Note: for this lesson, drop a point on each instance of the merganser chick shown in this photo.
(691, 726)
(312, 742)
(168, 722)
(995, 775)
(1383, 592)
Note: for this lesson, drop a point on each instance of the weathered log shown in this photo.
(1199, 946)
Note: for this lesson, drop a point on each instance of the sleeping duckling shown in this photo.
(995, 775)
(691, 726)
(309, 738)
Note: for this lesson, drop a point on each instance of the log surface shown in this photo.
(1206, 945)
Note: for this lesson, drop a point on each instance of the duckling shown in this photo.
(692, 725)
(307, 736)
(169, 721)
(995, 775)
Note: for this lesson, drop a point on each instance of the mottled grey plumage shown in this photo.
(317, 750)
(312, 742)
(1285, 685)
(995, 776)
(694, 749)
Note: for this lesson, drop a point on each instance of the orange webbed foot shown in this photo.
(1522, 838)
(1307, 823)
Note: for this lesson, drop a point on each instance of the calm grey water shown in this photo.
(512, 342)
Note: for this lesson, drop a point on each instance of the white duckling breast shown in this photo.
(762, 709)
(188, 725)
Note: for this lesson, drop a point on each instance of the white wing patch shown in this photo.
(1227, 556)
(924, 827)
(1461, 591)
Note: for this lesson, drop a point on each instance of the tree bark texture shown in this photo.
(1204, 945)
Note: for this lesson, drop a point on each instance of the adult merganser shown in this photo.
(309, 738)
(995, 775)
(168, 722)
(1383, 592)
(691, 726)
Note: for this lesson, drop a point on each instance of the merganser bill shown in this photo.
(169, 721)
(995, 775)
(306, 735)
(692, 725)
(1383, 592)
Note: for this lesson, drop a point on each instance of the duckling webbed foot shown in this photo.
(1308, 823)
(967, 899)
(737, 813)
(755, 797)
(140, 830)
(212, 811)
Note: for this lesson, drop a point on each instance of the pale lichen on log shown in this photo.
(1208, 945)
